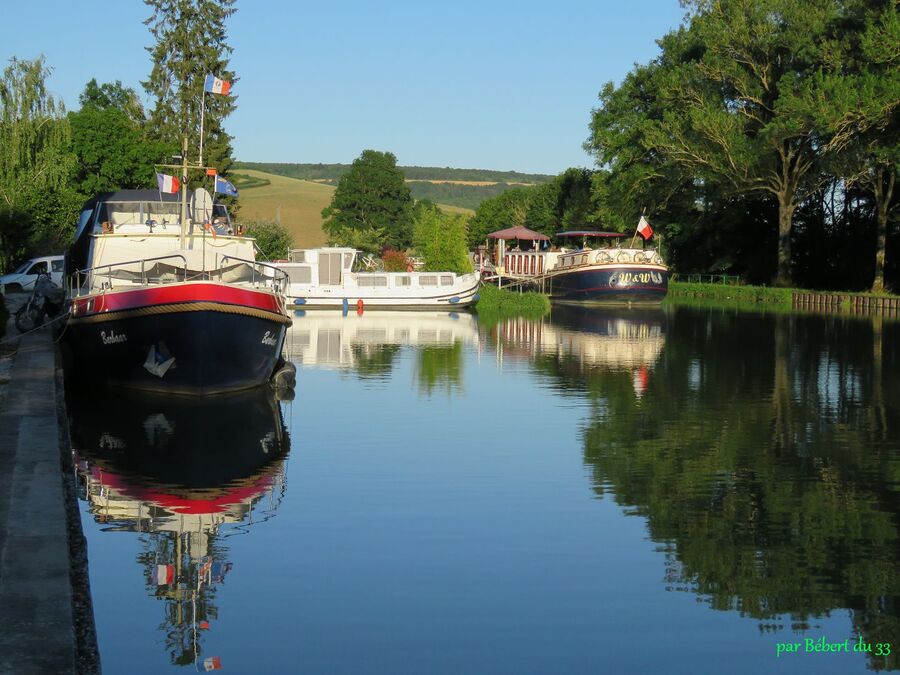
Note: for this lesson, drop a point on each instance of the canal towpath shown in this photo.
(44, 606)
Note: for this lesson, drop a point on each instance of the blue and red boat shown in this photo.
(166, 297)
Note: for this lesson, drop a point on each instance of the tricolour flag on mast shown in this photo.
(644, 228)
(168, 184)
(216, 86)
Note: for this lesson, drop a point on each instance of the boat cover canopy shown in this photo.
(588, 233)
(519, 232)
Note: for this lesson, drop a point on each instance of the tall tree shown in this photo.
(862, 111)
(191, 43)
(733, 105)
(371, 197)
(37, 206)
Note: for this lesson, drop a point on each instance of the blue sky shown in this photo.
(494, 85)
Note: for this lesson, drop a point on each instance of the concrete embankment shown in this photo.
(45, 613)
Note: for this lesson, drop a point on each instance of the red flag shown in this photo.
(211, 172)
(644, 228)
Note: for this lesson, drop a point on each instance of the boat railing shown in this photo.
(85, 281)
(261, 274)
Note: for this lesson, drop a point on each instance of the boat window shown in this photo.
(374, 280)
(328, 347)
(297, 256)
(299, 275)
(446, 280)
(348, 260)
(162, 212)
(428, 280)
(403, 281)
(329, 268)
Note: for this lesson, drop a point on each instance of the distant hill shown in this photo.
(296, 203)
(465, 188)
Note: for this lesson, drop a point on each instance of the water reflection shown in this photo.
(617, 343)
(186, 473)
(763, 452)
(368, 345)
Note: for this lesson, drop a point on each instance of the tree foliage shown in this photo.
(273, 239)
(440, 239)
(109, 137)
(37, 203)
(371, 201)
(750, 99)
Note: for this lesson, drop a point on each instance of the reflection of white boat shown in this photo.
(323, 278)
(335, 339)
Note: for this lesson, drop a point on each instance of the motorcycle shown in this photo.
(46, 300)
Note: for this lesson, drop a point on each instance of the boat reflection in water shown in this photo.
(578, 341)
(368, 342)
(179, 469)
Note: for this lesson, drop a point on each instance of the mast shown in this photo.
(184, 170)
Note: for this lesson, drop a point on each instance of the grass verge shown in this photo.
(496, 304)
(767, 296)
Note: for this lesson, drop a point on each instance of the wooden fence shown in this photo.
(845, 302)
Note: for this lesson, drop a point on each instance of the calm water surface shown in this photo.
(679, 490)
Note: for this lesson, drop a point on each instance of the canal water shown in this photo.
(675, 490)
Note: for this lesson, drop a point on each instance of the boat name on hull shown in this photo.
(113, 337)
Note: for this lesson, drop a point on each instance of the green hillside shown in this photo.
(295, 203)
(464, 188)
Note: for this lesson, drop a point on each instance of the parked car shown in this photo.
(23, 277)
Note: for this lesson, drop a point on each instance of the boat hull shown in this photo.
(188, 347)
(610, 284)
(339, 298)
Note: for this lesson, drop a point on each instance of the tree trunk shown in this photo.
(884, 190)
(785, 221)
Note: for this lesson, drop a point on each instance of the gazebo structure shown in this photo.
(519, 233)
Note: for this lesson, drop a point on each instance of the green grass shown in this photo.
(496, 304)
(757, 296)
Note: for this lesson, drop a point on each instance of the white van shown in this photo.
(24, 276)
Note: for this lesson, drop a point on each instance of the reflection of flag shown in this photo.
(165, 574)
(168, 184)
(640, 380)
(204, 625)
(216, 86)
(225, 187)
(212, 663)
(644, 228)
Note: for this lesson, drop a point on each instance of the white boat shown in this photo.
(324, 278)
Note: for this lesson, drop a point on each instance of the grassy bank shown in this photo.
(756, 296)
(499, 303)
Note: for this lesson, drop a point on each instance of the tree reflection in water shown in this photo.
(763, 453)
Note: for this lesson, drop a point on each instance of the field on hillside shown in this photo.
(297, 204)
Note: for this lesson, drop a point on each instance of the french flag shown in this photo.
(164, 575)
(168, 184)
(644, 228)
(216, 86)
(212, 663)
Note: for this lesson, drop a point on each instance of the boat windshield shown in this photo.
(138, 213)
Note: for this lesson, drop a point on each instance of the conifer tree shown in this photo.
(191, 43)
